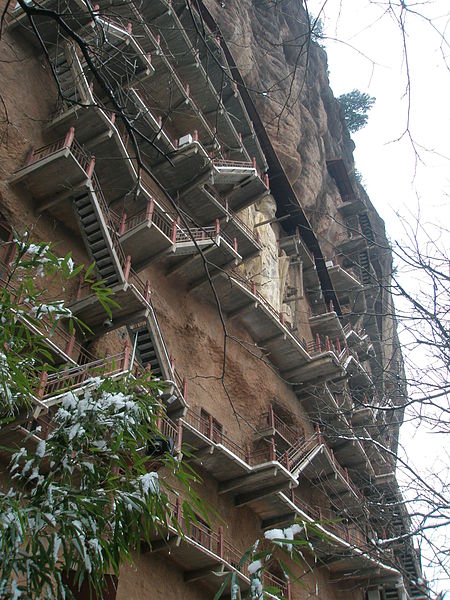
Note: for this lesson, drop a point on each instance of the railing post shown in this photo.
(220, 542)
(266, 181)
(174, 232)
(69, 346)
(42, 384)
(318, 344)
(254, 162)
(271, 417)
(130, 28)
(327, 343)
(217, 227)
(282, 318)
(184, 388)
(69, 137)
(91, 167)
(150, 208)
(123, 221)
(179, 437)
(147, 291)
(286, 458)
(331, 306)
(126, 272)
(319, 434)
(253, 288)
(126, 355)
(210, 428)
(288, 590)
(272, 453)
(30, 156)
(247, 454)
(338, 346)
(346, 475)
(195, 136)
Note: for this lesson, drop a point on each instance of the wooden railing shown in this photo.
(68, 379)
(272, 420)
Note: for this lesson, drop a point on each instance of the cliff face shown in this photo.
(287, 75)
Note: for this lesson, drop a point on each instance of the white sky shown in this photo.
(367, 54)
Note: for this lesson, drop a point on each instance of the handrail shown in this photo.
(271, 419)
(56, 383)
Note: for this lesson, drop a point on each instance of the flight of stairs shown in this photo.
(99, 245)
(146, 351)
(366, 227)
(364, 263)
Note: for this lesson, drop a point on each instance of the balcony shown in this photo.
(250, 475)
(180, 44)
(272, 426)
(74, 12)
(204, 553)
(55, 170)
(327, 324)
(240, 298)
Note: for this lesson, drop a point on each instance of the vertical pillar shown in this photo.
(210, 428)
(70, 343)
(123, 220)
(91, 167)
(126, 272)
(42, 384)
(69, 137)
(220, 542)
(272, 453)
(179, 437)
(184, 388)
(147, 291)
(126, 355)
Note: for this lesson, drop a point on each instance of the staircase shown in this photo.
(97, 237)
(364, 263)
(391, 594)
(146, 351)
(366, 227)
(72, 81)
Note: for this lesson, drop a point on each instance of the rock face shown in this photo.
(287, 75)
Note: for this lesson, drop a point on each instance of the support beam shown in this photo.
(243, 309)
(237, 482)
(248, 497)
(164, 544)
(286, 518)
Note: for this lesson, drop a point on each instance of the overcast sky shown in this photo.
(365, 51)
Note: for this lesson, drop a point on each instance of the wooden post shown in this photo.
(42, 384)
(220, 542)
(210, 428)
(70, 135)
(150, 209)
(318, 344)
(122, 224)
(126, 355)
(30, 156)
(147, 291)
(179, 437)
(174, 232)
(286, 458)
(126, 272)
(272, 453)
(69, 346)
(91, 167)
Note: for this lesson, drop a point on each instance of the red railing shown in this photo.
(272, 420)
(68, 379)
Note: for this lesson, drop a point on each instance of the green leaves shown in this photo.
(355, 105)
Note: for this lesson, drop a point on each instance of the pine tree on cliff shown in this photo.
(355, 105)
